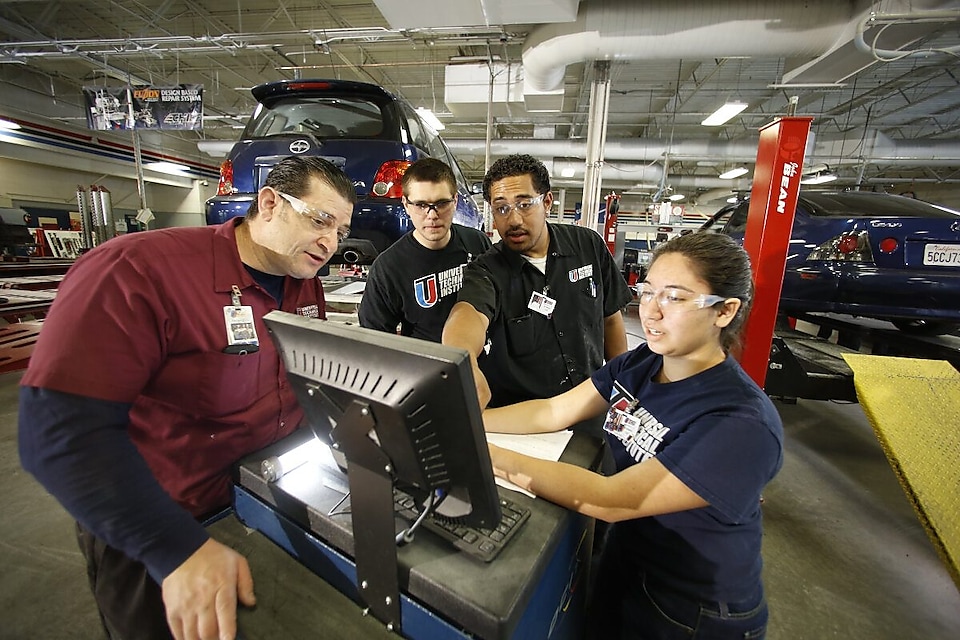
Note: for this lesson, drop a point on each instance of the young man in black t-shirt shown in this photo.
(413, 284)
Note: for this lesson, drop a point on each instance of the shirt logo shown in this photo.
(425, 291)
(581, 273)
(309, 311)
(638, 430)
(429, 290)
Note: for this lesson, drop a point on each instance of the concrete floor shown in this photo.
(845, 555)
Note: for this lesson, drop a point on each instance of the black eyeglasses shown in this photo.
(440, 206)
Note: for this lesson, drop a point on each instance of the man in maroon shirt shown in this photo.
(154, 374)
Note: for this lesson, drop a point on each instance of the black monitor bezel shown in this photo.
(395, 376)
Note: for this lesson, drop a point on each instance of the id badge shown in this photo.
(240, 326)
(542, 303)
(621, 424)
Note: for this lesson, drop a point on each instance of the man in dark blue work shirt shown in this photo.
(548, 296)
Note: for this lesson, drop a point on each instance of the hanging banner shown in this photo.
(145, 107)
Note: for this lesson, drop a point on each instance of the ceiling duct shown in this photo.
(424, 14)
(671, 29)
(632, 172)
(876, 148)
(636, 149)
(817, 38)
(466, 89)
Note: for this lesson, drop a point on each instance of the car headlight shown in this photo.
(847, 247)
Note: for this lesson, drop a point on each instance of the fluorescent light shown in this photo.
(8, 124)
(732, 200)
(172, 168)
(431, 119)
(724, 113)
(567, 172)
(819, 178)
(677, 196)
(734, 173)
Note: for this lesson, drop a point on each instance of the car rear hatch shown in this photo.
(319, 118)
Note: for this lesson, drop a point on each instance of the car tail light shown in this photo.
(847, 244)
(225, 188)
(847, 247)
(386, 184)
(889, 245)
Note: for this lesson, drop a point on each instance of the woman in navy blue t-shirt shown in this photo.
(695, 441)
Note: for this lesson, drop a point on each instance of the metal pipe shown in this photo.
(86, 222)
(596, 138)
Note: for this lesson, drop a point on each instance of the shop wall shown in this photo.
(31, 183)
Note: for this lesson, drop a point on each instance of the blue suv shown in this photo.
(363, 129)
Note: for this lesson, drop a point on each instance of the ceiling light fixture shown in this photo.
(677, 196)
(430, 118)
(724, 113)
(172, 168)
(819, 177)
(9, 125)
(732, 200)
(734, 173)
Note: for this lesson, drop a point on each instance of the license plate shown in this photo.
(941, 255)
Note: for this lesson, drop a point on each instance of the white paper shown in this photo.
(546, 446)
(351, 288)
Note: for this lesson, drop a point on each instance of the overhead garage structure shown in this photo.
(877, 77)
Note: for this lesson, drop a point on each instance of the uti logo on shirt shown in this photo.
(425, 291)
(429, 290)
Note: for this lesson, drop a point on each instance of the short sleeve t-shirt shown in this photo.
(722, 437)
(416, 287)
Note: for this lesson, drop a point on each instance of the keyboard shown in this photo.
(483, 544)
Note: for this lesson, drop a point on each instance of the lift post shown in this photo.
(773, 201)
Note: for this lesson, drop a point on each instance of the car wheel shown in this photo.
(925, 327)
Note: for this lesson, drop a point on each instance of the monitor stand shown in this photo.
(372, 513)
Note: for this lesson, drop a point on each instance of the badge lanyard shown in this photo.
(241, 330)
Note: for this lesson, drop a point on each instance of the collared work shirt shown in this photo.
(532, 355)
(140, 320)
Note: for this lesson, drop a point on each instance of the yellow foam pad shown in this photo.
(914, 407)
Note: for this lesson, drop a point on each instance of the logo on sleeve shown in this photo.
(309, 311)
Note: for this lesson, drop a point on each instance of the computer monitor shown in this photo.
(403, 412)
(421, 399)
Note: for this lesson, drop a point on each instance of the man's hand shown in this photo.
(201, 594)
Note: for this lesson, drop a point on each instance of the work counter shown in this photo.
(534, 588)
